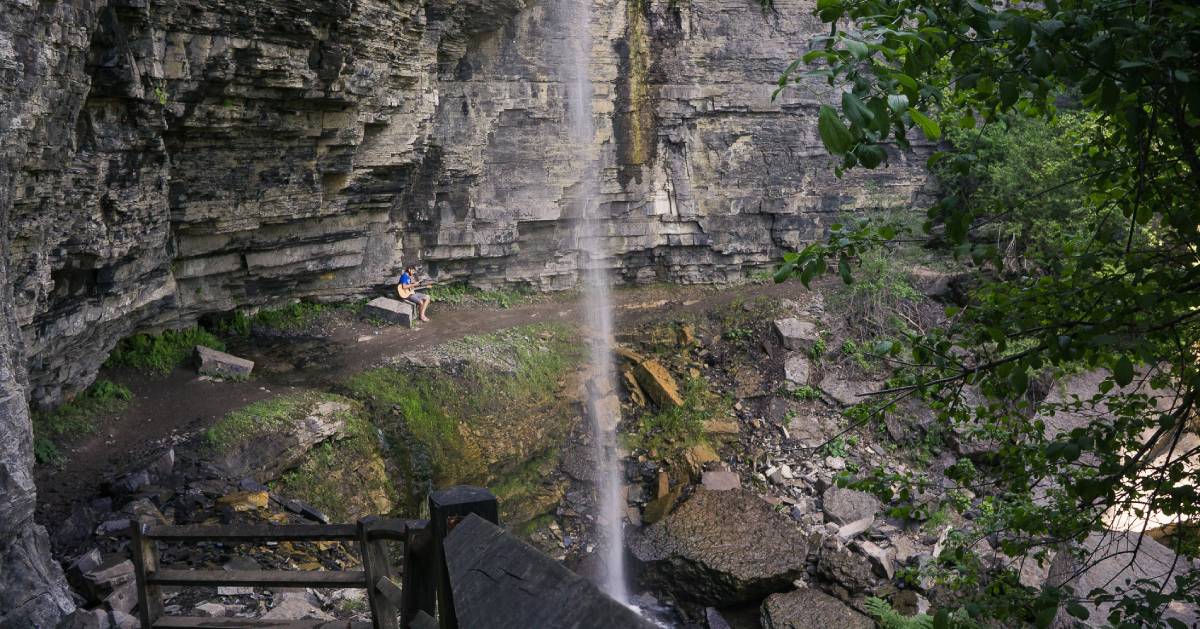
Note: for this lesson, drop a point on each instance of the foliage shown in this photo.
(671, 430)
(889, 618)
(460, 293)
(75, 418)
(805, 393)
(293, 317)
(1099, 269)
(158, 354)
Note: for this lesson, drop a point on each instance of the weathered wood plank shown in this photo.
(145, 565)
(378, 567)
(389, 590)
(261, 578)
(254, 533)
(197, 622)
(500, 582)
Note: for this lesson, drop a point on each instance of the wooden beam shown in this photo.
(145, 568)
(261, 578)
(255, 533)
(377, 564)
(501, 582)
(447, 508)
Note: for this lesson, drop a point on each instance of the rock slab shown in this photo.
(222, 365)
(658, 383)
(797, 334)
(721, 548)
(389, 310)
(843, 506)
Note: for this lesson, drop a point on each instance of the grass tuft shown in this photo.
(75, 418)
(460, 293)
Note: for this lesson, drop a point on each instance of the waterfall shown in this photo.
(603, 407)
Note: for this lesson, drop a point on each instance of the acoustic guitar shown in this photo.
(406, 291)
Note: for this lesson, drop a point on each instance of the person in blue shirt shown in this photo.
(407, 289)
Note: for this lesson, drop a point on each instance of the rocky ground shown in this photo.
(744, 411)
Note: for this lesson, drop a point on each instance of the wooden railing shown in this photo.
(528, 588)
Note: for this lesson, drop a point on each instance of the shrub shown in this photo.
(158, 354)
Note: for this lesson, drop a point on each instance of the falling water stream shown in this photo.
(603, 405)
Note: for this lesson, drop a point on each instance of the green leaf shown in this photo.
(857, 48)
(1021, 31)
(928, 126)
(905, 81)
(941, 620)
(844, 270)
(897, 102)
(855, 110)
(870, 155)
(834, 134)
(1077, 610)
(1123, 371)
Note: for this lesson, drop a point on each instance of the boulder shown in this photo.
(658, 383)
(883, 560)
(720, 480)
(721, 548)
(698, 456)
(268, 454)
(222, 365)
(1112, 564)
(810, 609)
(843, 506)
(850, 570)
(390, 311)
(796, 370)
(797, 334)
(846, 391)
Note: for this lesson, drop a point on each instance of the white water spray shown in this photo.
(603, 405)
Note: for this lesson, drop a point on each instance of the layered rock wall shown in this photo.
(210, 155)
(163, 159)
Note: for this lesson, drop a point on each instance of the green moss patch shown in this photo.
(496, 401)
(264, 417)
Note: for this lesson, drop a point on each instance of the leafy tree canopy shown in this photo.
(1067, 137)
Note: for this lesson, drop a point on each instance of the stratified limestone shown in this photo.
(222, 365)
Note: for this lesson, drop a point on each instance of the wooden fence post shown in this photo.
(145, 564)
(420, 585)
(447, 507)
(377, 565)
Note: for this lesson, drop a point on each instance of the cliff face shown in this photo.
(162, 159)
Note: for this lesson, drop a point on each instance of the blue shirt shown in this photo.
(405, 280)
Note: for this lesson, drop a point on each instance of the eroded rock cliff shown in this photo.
(163, 159)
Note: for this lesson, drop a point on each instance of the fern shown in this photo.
(889, 618)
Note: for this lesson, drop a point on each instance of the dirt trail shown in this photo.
(173, 407)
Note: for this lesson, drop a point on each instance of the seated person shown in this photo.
(407, 289)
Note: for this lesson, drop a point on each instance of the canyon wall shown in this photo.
(164, 159)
